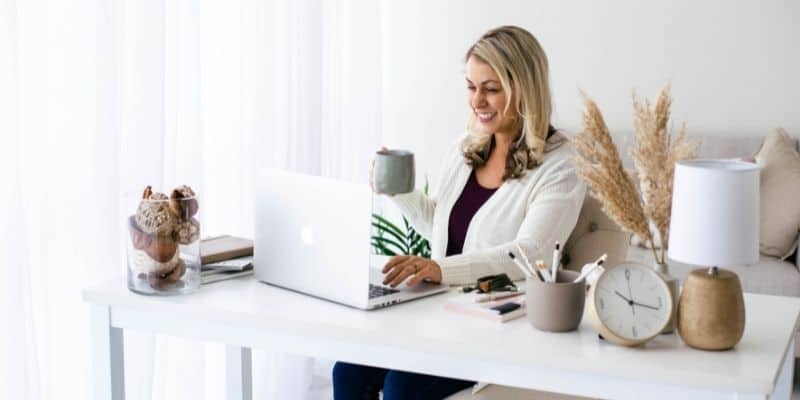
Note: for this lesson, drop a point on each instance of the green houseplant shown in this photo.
(391, 240)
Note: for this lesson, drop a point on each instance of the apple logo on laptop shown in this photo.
(307, 236)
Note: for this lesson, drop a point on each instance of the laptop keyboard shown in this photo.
(378, 291)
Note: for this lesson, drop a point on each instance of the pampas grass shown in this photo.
(654, 155)
(600, 165)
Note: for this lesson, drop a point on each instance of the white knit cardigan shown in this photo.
(535, 211)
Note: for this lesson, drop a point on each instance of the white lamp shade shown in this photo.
(715, 213)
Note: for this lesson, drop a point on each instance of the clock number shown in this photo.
(602, 304)
(627, 274)
(633, 329)
(659, 301)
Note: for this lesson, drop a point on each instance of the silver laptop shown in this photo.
(313, 236)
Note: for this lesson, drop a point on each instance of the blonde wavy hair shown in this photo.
(519, 61)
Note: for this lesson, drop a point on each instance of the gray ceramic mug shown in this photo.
(394, 171)
(555, 307)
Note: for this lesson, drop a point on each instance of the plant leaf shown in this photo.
(418, 250)
(383, 223)
(410, 232)
(414, 242)
(422, 248)
(400, 246)
(383, 250)
(383, 247)
(398, 237)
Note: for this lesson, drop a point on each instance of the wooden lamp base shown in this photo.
(711, 309)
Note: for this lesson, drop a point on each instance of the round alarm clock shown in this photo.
(630, 304)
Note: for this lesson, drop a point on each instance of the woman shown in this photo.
(509, 181)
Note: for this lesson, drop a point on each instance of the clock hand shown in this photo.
(627, 300)
(630, 302)
(645, 305)
(628, 278)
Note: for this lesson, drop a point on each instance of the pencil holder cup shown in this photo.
(555, 307)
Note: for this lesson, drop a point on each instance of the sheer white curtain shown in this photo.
(100, 98)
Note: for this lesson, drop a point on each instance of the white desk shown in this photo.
(422, 337)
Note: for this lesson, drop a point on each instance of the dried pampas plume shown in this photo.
(654, 155)
(600, 165)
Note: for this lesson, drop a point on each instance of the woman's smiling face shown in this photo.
(487, 99)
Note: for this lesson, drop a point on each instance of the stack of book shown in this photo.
(499, 307)
(225, 257)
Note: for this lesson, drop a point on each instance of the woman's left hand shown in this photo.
(400, 268)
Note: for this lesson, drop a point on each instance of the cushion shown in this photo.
(594, 234)
(720, 145)
(780, 189)
(769, 275)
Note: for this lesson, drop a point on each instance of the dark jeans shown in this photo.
(360, 382)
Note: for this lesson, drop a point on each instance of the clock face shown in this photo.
(632, 301)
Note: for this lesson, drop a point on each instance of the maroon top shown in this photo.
(471, 199)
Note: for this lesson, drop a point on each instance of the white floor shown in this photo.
(324, 391)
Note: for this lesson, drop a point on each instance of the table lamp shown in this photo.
(714, 221)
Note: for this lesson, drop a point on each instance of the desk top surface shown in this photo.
(424, 325)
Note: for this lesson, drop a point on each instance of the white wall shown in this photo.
(733, 65)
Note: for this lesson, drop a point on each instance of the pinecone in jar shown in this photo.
(142, 262)
(163, 280)
(183, 203)
(139, 239)
(159, 248)
(153, 215)
(187, 232)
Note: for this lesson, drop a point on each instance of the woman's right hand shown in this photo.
(372, 173)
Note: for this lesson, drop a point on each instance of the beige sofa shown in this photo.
(770, 275)
(595, 233)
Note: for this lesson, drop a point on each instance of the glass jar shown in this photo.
(163, 252)
(672, 284)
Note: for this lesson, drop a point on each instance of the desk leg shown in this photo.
(108, 361)
(239, 375)
(784, 385)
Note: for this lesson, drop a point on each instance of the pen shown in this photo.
(484, 297)
(588, 271)
(527, 262)
(519, 265)
(556, 256)
(539, 275)
(540, 266)
(585, 272)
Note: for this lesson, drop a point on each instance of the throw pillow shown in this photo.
(780, 189)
